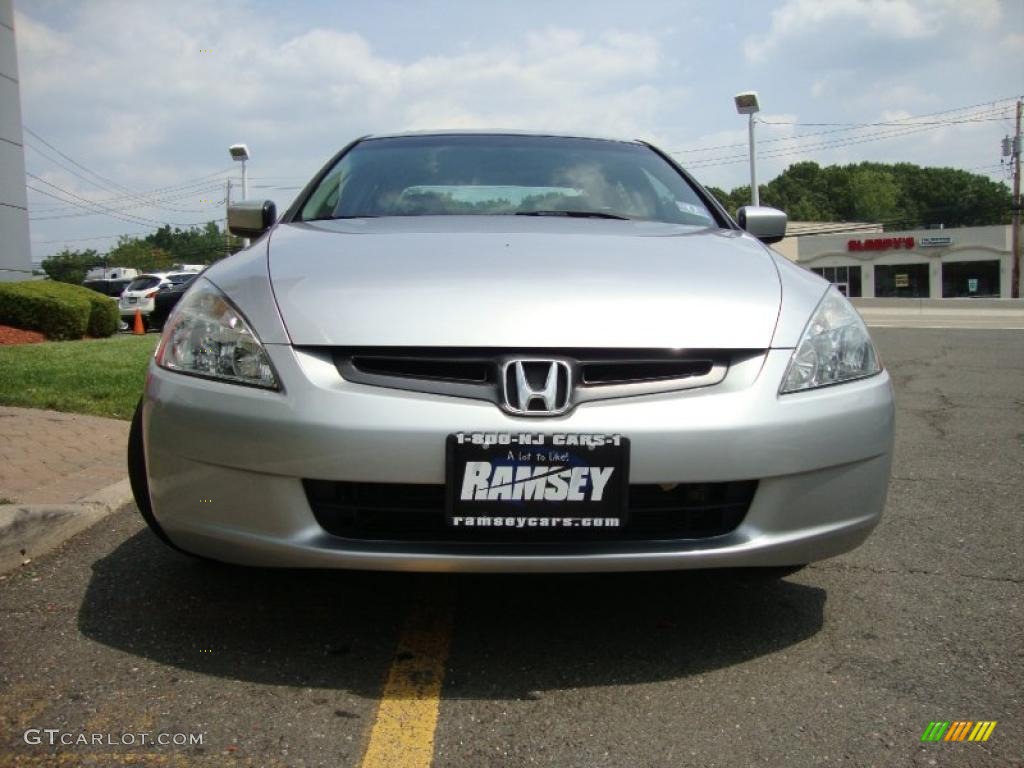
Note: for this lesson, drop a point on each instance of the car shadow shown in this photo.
(514, 636)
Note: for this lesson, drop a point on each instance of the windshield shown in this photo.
(506, 175)
(143, 282)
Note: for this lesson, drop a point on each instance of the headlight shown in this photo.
(207, 336)
(834, 348)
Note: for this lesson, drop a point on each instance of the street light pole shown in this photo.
(755, 198)
(1015, 234)
(747, 104)
(240, 152)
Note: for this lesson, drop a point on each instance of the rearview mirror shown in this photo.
(766, 224)
(251, 218)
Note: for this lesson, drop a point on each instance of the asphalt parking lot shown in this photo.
(844, 663)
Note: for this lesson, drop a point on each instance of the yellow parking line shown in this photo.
(403, 731)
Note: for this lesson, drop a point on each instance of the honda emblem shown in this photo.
(537, 387)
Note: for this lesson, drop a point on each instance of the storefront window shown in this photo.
(846, 279)
(906, 281)
(970, 278)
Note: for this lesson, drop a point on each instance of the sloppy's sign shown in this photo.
(881, 244)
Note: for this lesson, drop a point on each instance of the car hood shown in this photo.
(522, 282)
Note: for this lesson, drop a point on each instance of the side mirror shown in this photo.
(766, 224)
(251, 218)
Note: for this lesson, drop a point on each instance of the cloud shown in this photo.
(831, 31)
(320, 86)
(156, 93)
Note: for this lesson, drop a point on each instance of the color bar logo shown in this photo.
(958, 730)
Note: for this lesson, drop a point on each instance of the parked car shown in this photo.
(166, 299)
(511, 352)
(141, 293)
(111, 273)
(109, 287)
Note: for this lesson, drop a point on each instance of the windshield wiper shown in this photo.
(335, 218)
(575, 214)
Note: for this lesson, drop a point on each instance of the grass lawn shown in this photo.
(103, 377)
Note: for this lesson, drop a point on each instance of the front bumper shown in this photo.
(226, 465)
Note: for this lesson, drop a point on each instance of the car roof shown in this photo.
(499, 132)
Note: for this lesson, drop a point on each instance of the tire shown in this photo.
(139, 481)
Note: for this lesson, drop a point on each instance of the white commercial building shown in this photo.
(921, 263)
(15, 255)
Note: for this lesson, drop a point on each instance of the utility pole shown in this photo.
(1015, 234)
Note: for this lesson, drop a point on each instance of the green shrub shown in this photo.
(104, 316)
(59, 310)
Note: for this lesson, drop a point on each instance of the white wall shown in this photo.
(15, 255)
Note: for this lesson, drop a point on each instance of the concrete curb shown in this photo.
(30, 530)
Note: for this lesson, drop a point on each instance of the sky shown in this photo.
(129, 107)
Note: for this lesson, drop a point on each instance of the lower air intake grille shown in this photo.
(396, 512)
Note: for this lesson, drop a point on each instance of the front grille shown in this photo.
(595, 374)
(627, 371)
(466, 370)
(399, 512)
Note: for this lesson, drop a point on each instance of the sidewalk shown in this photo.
(48, 457)
(985, 314)
(59, 474)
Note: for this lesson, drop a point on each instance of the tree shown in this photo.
(195, 245)
(874, 195)
(69, 266)
(143, 256)
(899, 196)
(161, 250)
(802, 192)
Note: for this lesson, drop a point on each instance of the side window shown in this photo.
(324, 200)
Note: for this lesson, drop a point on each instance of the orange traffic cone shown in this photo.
(138, 329)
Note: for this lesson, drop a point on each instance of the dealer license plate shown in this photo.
(533, 480)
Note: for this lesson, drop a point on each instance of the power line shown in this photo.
(826, 144)
(118, 216)
(201, 181)
(121, 191)
(52, 216)
(142, 201)
(990, 111)
(905, 121)
(75, 162)
(713, 162)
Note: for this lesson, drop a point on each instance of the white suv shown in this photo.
(141, 292)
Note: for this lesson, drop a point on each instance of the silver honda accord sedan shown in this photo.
(511, 352)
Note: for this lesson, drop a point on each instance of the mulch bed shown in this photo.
(10, 335)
